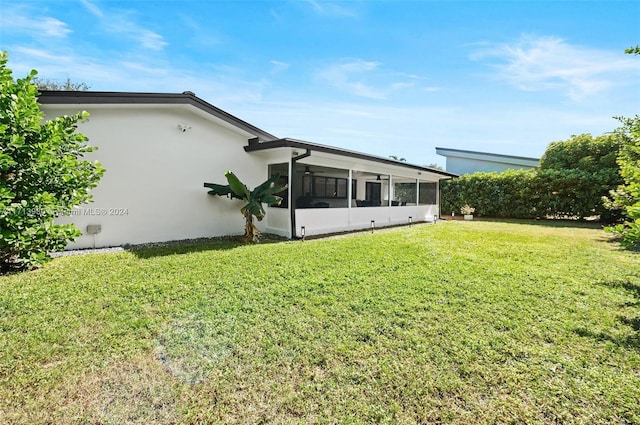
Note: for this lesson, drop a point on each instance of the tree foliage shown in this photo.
(434, 166)
(264, 193)
(573, 177)
(626, 198)
(42, 174)
(507, 194)
(633, 50)
(53, 85)
(579, 172)
(583, 152)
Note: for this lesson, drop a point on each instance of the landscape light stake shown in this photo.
(373, 225)
(302, 233)
(410, 220)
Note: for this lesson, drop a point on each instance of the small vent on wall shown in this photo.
(94, 229)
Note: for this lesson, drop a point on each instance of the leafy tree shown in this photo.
(626, 197)
(582, 152)
(57, 86)
(578, 172)
(573, 177)
(397, 158)
(42, 174)
(633, 50)
(262, 194)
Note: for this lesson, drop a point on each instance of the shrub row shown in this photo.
(531, 194)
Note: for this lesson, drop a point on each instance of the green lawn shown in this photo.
(459, 322)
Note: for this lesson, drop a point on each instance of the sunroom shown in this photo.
(334, 190)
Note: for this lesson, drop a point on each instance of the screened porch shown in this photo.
(327, 199)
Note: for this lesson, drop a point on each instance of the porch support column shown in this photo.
(349, 188)
(389, 191)
(438, 198)
(292, 205)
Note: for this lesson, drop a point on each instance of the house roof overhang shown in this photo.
(256, 145)
(132, 98)
(262, 140)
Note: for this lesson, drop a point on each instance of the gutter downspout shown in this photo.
(292, 204)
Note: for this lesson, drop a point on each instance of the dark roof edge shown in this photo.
(301, 144)
(488, 153)
(48, 97)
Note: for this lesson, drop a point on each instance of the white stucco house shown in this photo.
(159, 149)
(465, 162)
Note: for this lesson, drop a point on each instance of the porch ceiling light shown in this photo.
(307, 170)
(379, 178)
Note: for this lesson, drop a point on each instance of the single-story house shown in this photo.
(466, 162)
(159, 149)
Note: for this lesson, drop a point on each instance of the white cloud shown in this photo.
(366, 79)
(38, 54)
(401, 85)
(550, 63)
(62, 65)
(24, 19)
(278, 66)
(331, 9)
(21, 19)
(122, 25)
(95, 10)
(342, 75)
(150, 39)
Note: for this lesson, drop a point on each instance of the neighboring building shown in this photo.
(465, 162)
(159, 149)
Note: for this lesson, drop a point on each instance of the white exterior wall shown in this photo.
(318, 221)
(278, 221)
(153, 187)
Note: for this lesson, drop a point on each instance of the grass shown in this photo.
(459, 322)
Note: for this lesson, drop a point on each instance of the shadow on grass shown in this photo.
(581, 224)
(629, 341)
(163, 249)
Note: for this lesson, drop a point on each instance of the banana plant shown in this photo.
(265, 193)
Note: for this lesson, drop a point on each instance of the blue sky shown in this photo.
(383, 77)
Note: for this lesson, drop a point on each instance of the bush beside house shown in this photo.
(625, 199)
(42, 174)
(573, 177)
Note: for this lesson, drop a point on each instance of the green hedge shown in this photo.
(573, 177)
(530, 194)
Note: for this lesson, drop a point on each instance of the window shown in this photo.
(327, 187)
(405, 193)
(428, 193)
